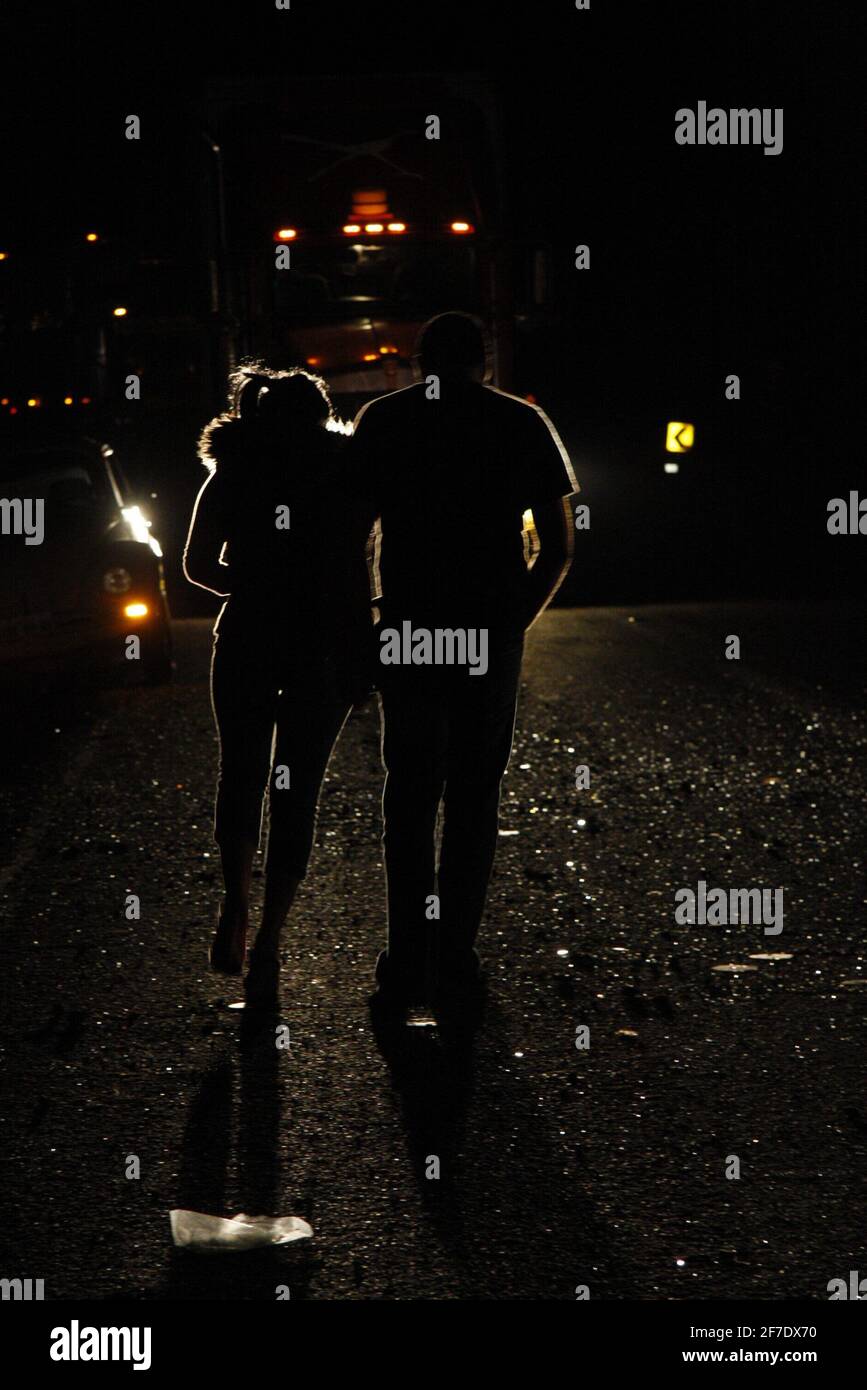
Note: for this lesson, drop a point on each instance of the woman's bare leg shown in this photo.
(262, 985)
(307, 730)
(280, 890)
(229, 946)
(237, 857)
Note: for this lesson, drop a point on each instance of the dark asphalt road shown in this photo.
(559, 1167)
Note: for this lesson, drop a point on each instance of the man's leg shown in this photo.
(481, 727)
(413, 753)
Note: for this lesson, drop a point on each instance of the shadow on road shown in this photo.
(204, 1185)
(505, 1200)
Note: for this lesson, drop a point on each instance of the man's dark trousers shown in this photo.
(447, 736)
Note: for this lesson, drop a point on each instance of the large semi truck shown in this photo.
(355, 213)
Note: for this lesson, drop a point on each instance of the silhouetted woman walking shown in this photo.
(271, 533)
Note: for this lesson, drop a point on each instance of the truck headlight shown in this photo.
(117, 580)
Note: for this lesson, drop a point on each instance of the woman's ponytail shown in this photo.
(247, 395)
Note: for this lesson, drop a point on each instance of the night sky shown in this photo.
(705, 260)
(717, 244)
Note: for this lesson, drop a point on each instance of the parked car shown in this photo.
(81, 571)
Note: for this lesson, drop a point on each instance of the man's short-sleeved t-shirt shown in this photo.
(450, 480)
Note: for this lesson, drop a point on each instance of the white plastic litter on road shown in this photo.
(196, 1230)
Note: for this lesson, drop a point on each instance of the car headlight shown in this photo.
(117, 580)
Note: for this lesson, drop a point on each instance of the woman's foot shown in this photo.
(229, 946)
(262, 985)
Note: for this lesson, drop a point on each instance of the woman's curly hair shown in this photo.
(263, 403)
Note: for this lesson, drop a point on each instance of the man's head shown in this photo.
(453, 345)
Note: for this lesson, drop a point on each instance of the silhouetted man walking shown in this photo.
(449, 466)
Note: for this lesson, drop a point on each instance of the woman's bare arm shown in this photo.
(202, 564)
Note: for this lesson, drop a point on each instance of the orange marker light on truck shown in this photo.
(397, 226)
(462, 227)
(351, 229)
(369, 202)
(286, 234)
(135, 610)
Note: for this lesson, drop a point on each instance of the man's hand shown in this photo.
(553, 522)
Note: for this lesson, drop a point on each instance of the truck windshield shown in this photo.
(329, 284)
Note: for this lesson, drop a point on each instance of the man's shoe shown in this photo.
(461, 991)
(460, 969)
(262, 985)
(398, 990)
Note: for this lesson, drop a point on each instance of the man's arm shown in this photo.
(553, 521)
(205, 540)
